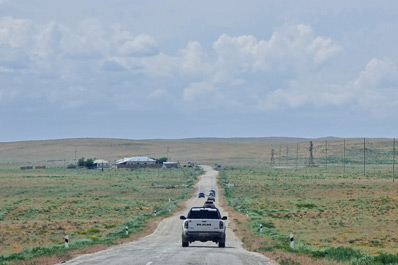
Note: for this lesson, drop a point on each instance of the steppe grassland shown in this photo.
(321, 208)
(251, 155)
(39, 207)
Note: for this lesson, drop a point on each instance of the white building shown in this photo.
(100, 163)
(135, 161)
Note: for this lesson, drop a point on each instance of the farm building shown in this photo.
(99, 163)
(170, 165)
(137, 162)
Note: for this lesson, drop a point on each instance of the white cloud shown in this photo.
(243, 74)
(374, 92)
(294, 53)
(194, 60)
(376, 88)
(141, 45)
(323, 49)
(14, 32)
(291, 47)
(378, 74)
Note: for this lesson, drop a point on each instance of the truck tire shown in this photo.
(221, 243)
(185, 243)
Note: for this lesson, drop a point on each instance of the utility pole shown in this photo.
(297, 156)
(287, 155)
(344, 159)
(364, 158)
(393, 159)
(75, 155)
(280, 155)
(326, 158)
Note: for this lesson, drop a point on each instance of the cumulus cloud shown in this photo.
(141, 45)
(68, 55)
(242, 73)
(293, 46)
(377, 87)
(249, 71)
(374, 92)
(378, 74)
(194, 60)
(14, 32)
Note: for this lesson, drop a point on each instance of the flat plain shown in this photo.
(346, 199)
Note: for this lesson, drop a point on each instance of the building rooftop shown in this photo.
(135, 159)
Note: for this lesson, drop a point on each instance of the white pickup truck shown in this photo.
(203, 224)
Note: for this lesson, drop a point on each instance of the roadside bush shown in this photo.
(338, 254)
(386, 259)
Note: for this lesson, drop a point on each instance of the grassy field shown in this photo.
(39, 207)
(336, 204)
(325, 210)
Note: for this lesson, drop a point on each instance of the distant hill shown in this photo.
(246, 140)
(231, 151)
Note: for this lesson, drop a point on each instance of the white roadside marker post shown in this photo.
(66, 241)
(154, 212)
(291, 241)
(261, 228)
(127, 230)
(247, 214)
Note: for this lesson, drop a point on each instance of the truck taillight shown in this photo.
(186, 224)
(221, 224)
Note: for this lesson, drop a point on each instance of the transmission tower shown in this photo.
(272, 157)
(311, 159)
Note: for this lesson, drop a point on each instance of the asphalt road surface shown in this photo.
(164, 245)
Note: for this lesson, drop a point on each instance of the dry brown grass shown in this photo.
(240, 225)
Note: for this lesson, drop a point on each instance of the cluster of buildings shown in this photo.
(135, 162)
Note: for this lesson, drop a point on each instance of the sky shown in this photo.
(155, 69)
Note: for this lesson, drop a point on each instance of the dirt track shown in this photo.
(164, 245)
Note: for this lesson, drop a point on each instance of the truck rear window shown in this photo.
(204, 214)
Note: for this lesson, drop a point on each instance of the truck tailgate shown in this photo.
(204, 225)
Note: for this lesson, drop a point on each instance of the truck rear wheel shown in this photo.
(221, 243)
(185, 243)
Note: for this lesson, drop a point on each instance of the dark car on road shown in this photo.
(212, 193)
(209, 204)
(211, 198)
(201, 195)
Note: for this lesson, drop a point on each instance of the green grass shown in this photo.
(347, 218)
(92, 207)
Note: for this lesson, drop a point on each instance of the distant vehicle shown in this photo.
(211, 198)
(209, 204)
(201, 195)
(203, 224)
(212, 192)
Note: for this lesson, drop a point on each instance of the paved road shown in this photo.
(164, 245)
